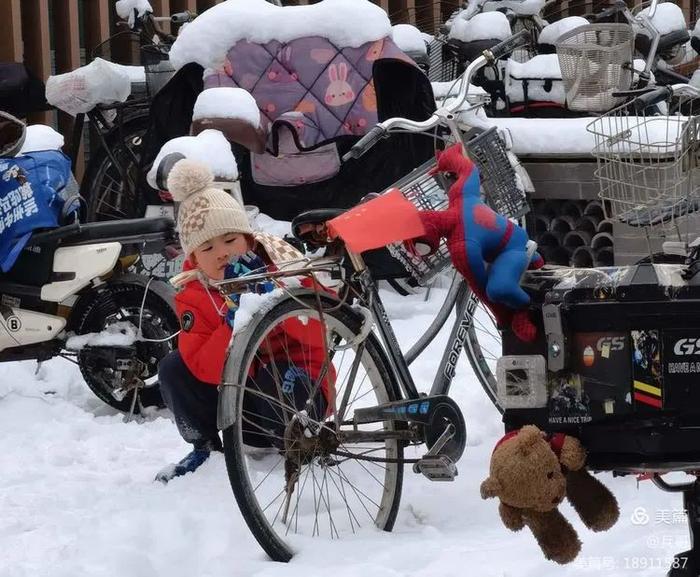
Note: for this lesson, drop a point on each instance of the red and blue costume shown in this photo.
(489, 250)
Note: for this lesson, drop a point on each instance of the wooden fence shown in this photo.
(53, 36)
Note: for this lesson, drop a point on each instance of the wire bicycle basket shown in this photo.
(426, 191)
(647, 166)
(156, 62)
(596, 62)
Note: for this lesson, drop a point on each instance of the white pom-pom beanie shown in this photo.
(205, 212)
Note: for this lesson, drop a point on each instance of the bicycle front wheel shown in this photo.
(299, 466)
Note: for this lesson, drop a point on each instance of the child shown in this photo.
(214, 233)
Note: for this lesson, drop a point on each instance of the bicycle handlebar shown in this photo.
(522, 38)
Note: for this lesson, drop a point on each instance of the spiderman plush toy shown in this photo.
(476, 237)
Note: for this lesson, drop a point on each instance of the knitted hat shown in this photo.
(205, 212)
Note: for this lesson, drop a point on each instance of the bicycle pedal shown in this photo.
(437, 468)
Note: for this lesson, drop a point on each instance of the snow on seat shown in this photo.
(99, 82)
(41, 137)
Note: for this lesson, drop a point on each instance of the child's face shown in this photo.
(212, 256)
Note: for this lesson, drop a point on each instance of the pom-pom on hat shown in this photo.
(205, 212)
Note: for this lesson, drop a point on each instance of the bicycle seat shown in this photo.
(305, 225)
(135, 228)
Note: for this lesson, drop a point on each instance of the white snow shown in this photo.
(696, 29)
(41, 137)
(485, 26)
(668, 17)
(209, 147)
(408, 38)
(79, 91)
(251, 303)
(443, 89)
(118, 334)
(542, 136)
(77, 496)
(540, 66)
(227, 102)
(125, 9)
(346, 23)
(551, 33)
(135, 73)
(521, 7)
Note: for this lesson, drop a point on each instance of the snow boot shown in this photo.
(191, 462)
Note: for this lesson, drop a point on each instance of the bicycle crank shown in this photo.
(436, 413)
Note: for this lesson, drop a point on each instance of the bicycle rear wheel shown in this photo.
(297, 465)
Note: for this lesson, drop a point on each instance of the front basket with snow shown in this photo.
(596, 62)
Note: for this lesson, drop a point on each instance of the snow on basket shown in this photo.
(227, 102)
(209, 147)
(346, 23)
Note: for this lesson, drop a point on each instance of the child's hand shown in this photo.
(244, 265)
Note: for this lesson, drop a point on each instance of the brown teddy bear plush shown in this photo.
(531, 474)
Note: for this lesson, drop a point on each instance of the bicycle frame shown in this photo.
(459, 295)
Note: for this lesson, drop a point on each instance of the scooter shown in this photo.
(71, 293)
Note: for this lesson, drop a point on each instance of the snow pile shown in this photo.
(552, 32)
(409, 39)
(79, 91)
(696, 29)
(549, 137)
(209, 147)
(227, 102)
(540, 66)
(122, 334)
(41, 137)
(486, 26)
(346, 23)
(668, 18)
(125, 9)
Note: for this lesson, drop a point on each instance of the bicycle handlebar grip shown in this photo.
(365, 143)
(522, 38)
(655, 96)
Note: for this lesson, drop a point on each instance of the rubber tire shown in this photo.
(233, 449)
(126, 295)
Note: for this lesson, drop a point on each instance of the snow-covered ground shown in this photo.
(77, 497)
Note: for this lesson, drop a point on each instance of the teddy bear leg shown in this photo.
(593, 501)
(555, 535)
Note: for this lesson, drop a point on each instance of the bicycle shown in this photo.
(349, 441)
(112, 181)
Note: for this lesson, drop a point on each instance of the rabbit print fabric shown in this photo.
(313, 88)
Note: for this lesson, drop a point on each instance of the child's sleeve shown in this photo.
(203, 343)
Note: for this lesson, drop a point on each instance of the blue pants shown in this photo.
(194, 403)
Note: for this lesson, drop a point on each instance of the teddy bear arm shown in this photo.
(573, 455)
(511, 517)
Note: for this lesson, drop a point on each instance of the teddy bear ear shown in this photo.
(528, 437)
(490, 488)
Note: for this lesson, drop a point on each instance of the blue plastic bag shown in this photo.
(31, 197)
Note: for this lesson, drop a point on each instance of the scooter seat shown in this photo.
(130, 229)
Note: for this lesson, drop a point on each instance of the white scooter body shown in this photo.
(79, 266)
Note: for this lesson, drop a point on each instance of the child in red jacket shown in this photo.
(214, 232)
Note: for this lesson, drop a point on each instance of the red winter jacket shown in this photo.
(205, 336)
